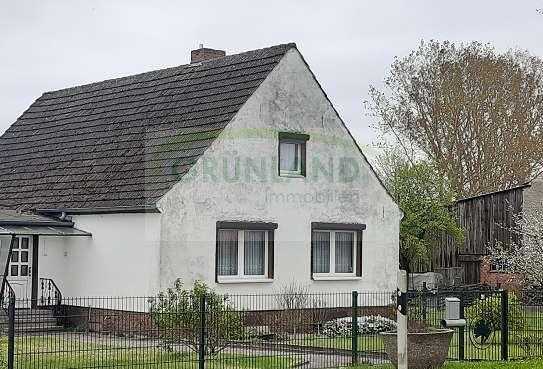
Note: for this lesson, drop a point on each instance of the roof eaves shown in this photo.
(101, 210)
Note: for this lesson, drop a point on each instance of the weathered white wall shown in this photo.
(288, 100)
(121, 258)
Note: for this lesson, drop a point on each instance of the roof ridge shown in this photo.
(188, 65)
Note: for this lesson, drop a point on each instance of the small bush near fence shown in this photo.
(489, 311)
(177, 313)
(342, 327)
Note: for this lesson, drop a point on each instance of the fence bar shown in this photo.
(11, 331)
(505, 325)
(201, 343)
(461, 333)
(354, 328)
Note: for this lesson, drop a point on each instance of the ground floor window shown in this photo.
(336, 250)
(245, 251)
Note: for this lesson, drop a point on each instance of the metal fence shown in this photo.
(501, 325)
(197, 329)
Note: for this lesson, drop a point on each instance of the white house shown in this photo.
(235, 170)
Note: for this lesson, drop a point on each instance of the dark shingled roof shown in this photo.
(124, 142)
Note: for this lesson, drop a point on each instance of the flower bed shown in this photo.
(372, 324)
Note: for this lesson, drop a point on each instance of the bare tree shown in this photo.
(474, 112)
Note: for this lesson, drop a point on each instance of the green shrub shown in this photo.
(177, 314)
(489, 311)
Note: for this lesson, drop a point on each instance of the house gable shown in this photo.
(237, 179)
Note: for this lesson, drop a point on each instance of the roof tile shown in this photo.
(112, 143)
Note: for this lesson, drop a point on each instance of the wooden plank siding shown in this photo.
(485, 220)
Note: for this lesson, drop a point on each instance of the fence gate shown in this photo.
(485, 336)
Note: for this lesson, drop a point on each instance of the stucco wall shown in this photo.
(121, 258)
(288, 100)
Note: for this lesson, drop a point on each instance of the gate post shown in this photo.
(354, 328)
(505, 325)
(11, 331)
(402, 320)
(201, 340)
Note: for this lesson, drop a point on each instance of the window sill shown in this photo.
(291, 175)
(336, 278)
(243, 280)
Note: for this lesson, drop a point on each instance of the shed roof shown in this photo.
(123, 143)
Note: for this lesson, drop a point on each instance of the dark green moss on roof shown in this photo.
(114, 143)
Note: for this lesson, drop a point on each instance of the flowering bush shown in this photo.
(372, 324)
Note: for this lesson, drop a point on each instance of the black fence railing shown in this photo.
(190, 329)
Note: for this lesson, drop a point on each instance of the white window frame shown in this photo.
(332, 273)
(298, 171)
(241, 276)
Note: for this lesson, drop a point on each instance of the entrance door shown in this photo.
(20, 270)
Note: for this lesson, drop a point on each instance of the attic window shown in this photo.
(292, 154)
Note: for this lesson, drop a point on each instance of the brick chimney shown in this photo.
(205, 53)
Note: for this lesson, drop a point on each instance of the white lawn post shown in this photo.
(402, 319)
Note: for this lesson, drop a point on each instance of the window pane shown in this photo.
(321, 252)
(254, 248)
(14, 270)
(227, 250)
(16, 245)
(24, 256)
(24, 270)
(289, 153)
(24, 243)
(15, 256)
(344, 252)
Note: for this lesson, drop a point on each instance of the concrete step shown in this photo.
(37, 329)
(33, 312)
(32, 321)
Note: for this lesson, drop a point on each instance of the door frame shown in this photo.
(35, 281)
(35, 240)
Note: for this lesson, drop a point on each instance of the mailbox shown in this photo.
(452, 313)
(452, 308)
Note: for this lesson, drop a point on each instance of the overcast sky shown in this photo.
(49, 45)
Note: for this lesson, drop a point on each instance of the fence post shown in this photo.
(505, 325)
(201, 340)
(424, 294)
(461, 330)
(354, 328)
(11, 332)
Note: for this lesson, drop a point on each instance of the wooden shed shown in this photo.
(485, 219)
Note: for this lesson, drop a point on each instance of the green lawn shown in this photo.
(525, 344)
(492, 351)
(531, 364)
(59, 353)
